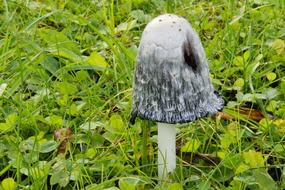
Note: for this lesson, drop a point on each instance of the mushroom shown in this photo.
(171, 82)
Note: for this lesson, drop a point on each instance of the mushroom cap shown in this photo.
(171, 79)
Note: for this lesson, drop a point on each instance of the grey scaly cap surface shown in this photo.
(171, 82)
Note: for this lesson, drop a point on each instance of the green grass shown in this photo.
(69, 64)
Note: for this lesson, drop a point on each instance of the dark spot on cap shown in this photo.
(190, 56)
(179, 29)
(173, 22)
(160, 20)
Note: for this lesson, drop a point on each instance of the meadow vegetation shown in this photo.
(66, 72)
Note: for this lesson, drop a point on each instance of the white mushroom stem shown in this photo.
(166, 149)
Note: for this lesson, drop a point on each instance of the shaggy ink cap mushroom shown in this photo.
(171, 79)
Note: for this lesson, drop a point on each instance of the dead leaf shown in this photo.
(249, 113)
(62, 136)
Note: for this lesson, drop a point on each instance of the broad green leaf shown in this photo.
(279, 148)
(253, 159)
(62, 101)
(37, 173)
(110, 136)
(66, 88)
(125, 26)
(28, 144)
(129, 183)
(91, 152)
(55, 120)
(203, 185)
(58, 40)
(90, 125)
(258, 58)
(226, 140)
(251, 97)
(48, 146)
(246, 179)
(31, 157)
(61, 177)
(4, 127)
(11, 119)
(140, 16)
(9, 184)
(241, 168)
(73, 110)
(191, 146)
(221, 154)
(105, 163)
(264, 180)
(271, 93)
(33, 142)
(279, 46)
(232, 104)
(116, 125)
(39, 169)
(51, 65)
(280, 125)
(264, 122)
(79, 19)
(175, 186)
(242, 34)
(238, 61)
(271, 107)
(89, 137)
(232, 160)
(65, 53)
(271, 76)
(126, 185)
(81, 75)
(60, 45)
(40, 94)
(60, 172)
(235, 185)
(239, 83)
(246, 55)
(97, 60)
(279, 122)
